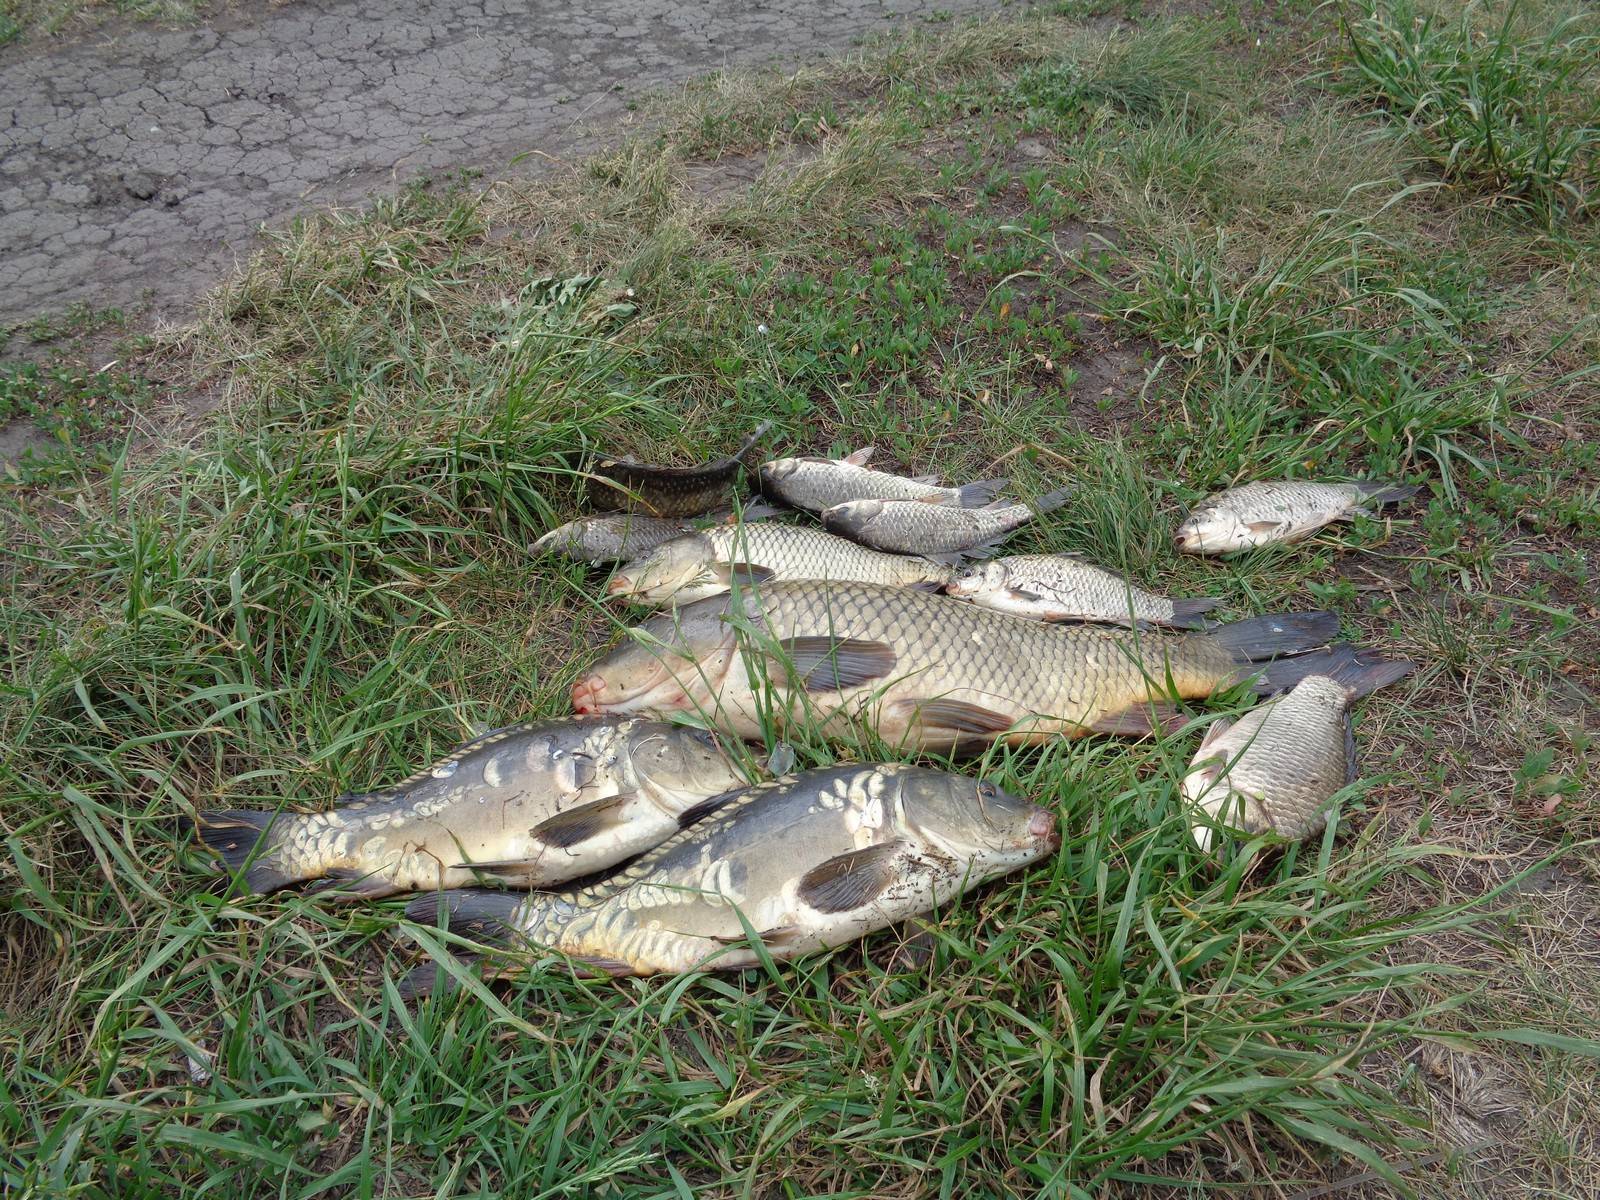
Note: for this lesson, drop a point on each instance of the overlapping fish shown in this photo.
(610, 537)
(1062, 587)
(1258, 514)
(531, 805)
(806, 862)
(676, 491)
(707, 563)
(1276, 768)
(947, 532)
(820, 483)
(928, 671)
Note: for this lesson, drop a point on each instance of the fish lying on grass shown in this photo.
(808, 862)
(1275, 769)
(1063, 587)
(707, 563)
(611, 537)
(946, 532)
(531, 805)
(817, 484)
(676, 491)
(927, 671)
(1258, 514)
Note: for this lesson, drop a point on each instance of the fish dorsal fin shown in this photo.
(851, 880)
(582, 822)
(826, 664)
(859, 458)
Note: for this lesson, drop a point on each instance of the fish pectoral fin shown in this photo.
(1024, 594)
(861, 457)
(1142, 720)
(987, 547)
(955, 716)
(850, 880)
(599, 964)
(583, 822)
(743, 574)
(1214, 732)
(704, 808)
(514, 872)
(826, 664)
(1265, 526)
(343, 883)
(776, 937)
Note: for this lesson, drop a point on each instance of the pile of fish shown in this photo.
(639, 846)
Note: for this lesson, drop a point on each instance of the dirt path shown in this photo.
(138, 162)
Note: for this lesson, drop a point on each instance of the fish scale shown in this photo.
(1061, 587)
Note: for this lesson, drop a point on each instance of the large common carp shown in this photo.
(808, 862)
(531, 805)
(925, 670)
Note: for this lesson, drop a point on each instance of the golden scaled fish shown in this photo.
(1258, 514)
(532, 805)
(807, 862)
(1064, 587)
(676, 491)
(816, 484)
(1276, 769)
(925, 670)
(707, 563)
(946, 532)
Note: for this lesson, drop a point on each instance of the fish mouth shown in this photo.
(1043, 827)
(620, 585)
(594, 693)
(588, 693)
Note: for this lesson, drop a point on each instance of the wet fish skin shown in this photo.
(944, 531)
(1276, 768)
(817, 484)
(1064, 587)
(707, 563)
(925, 670)
(676, 491)
(1261, 513)
(812, 861)
(532, 805)
(612, 537)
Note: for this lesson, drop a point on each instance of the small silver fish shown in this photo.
(807, 862)
(1258, 514)
(1275, 769)
(1062, 587)
(945, 532)
(612, 537)
(532, 805)
(817, 484)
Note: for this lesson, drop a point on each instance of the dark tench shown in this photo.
(1276, 768)
(817, 484)
(676, 491)
(809, 862)
(944, 531)
(1062, 587)
(703, 564)
(1257, 514)
(531, 805)
(927, 671)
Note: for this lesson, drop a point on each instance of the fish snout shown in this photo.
(620, 585)
(1043, 827)
(586, 693)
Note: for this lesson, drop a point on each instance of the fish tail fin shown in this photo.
(750, 442)
(1386, 493)
(1191, 614)
(976, 495)
(1361, 672)
(249, 841)
(1051, 501)
(479, 914)
(1259, 638)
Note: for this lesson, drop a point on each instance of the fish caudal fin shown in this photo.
(478, 914)
(1385, 493)
(976, 495)
(1191, 614)
(1051, 501)
(247, 841)
(1361, 672)
(1266, 637)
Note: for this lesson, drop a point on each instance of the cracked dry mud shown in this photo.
(139, 161)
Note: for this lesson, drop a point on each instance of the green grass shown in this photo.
(948, 242)
(41, 18)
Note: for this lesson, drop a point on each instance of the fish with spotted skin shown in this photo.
(928, 671)
(676, 491)
(530, 806)
(710, 562)
(1258, 514)
(1063, 587)
(817, 484)
(946, 532)
(1276, 768)
(805, 863)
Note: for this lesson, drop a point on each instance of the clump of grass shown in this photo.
(1144, 74)
(1513, 111)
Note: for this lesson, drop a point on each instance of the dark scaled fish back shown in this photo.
(675, 491)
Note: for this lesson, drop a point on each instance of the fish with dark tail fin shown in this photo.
(801, 864)
(1258, 514)
(1063, 587)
